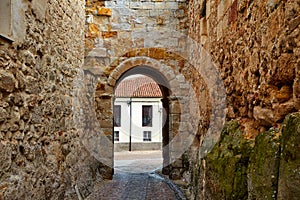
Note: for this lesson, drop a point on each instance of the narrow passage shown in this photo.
(135, 179)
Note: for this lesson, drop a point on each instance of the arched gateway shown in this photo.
(187, 120)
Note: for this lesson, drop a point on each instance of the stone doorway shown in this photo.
(178, 131)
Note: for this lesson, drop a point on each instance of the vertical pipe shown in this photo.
(130, 126)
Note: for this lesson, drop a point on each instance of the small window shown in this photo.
(117, 116)
(116, 136)
(147, 136)
(147, 116)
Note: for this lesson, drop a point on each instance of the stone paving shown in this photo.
(138, 161)
(132, 181)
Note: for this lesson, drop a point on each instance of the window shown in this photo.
(116, 136)
(117, 115)
(147, 136)
(147, 116)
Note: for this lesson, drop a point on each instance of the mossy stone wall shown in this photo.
(238, 168)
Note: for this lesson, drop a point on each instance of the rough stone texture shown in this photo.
(56, 120)
(255, 45)
(130, 34)
(289, 172)
(239, 168)
(42, 156)
(263, 166)
(226, 166)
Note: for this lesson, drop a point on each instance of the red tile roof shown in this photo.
(138, 87)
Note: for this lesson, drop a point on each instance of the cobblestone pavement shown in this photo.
(134, 179)
(130, 186)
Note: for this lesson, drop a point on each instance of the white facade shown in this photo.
(131, 124)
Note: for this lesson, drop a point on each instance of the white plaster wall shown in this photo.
(137, 128)
(125, 120)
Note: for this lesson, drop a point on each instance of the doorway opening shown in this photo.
(139, 118)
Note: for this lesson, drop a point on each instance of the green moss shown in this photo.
(289, 175)
(268, 168)
(264, 166)
(227, 164)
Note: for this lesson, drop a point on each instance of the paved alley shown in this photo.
(135, 179)
(138, 161)
(141, 186)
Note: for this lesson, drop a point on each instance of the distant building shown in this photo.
(138, 115)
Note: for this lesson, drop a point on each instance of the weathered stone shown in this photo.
(254, 47)
(3, 114)
(289, 172)
(93, 31)
(6, 155)
(264, 116)
(104, 11)
(109, 34)
(36, 92)
(226, 165)
(39, 7)
(7, 81)
(264, 166)
(281, 110)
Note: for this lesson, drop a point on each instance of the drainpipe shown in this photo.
(160, 111)
(130, 123)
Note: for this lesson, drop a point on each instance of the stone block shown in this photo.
(263, 166)
(203, 26)
(39, 7)
(208, 9)
(135, 5)
(221, 11)
(264, 115)
(160, 5)
(171, 5)
(147, 5)
(102, 11)
(7, 81)
(93, 31)
(175, 107)
(282, 110)
(98, 52)
(109, 34)
(289, 171)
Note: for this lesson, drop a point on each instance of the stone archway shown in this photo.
(182, 61)
(180, 101)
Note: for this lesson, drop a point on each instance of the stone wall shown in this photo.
(147, 37)
(243, 39)
(41, 154)
(255, 46)
(56, 119)
(239, 168)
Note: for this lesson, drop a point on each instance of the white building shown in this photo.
(137, 115)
